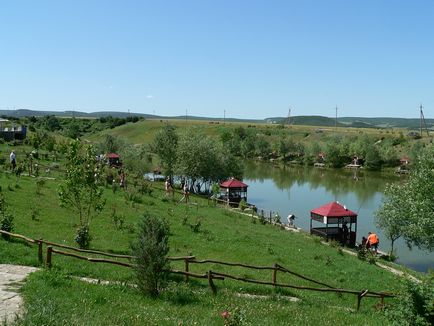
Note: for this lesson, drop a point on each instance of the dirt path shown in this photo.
(11, 279)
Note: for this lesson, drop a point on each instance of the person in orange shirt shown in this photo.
(372, 241)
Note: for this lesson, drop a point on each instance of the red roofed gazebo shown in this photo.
(113, 159)
(338, 221)
(233, 191)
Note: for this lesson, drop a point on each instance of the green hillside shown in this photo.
(54, 298)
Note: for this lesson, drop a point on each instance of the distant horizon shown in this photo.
(210, 116)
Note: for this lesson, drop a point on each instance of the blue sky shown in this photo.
(253, 59)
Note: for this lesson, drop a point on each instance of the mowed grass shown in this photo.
(53, 298)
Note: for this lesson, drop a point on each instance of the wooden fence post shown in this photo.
(40, 256)
(49, 253)
(274, 278)
(186, 268)
(211, 283)
(359, 298)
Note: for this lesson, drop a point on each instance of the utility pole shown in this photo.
(336, 118)
(224, 116)
(422, 121)
(289, 116)
(186, 113)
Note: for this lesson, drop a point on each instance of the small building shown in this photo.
(404, 160)
(113, 160)
(233, 191)
(12, 132)
(404, 166)
(320, 160)
(337, 223)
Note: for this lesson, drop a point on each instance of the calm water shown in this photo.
(297, 190)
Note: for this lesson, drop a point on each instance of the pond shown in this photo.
(297, 190)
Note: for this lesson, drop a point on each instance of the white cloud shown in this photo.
(149, 96)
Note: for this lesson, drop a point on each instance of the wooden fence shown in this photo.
(209, 275)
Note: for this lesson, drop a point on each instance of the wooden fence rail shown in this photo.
(210, 275)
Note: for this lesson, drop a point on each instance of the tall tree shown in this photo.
(409, 209)
(165, 146)
(391, 216)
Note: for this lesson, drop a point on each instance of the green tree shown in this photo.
(248, 146)
(135, 159)
(334, 157)
(419, 201)
(311, 154)
(150, 251)
(372, 158)
(165, 146)
(80, 190)
(388, 153)
(263, 147)
(391, 217)
(112, 144)
(198, 156)
(414, 202)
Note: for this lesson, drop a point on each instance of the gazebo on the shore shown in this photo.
(338, 221)
(113, 159)
(233, 191)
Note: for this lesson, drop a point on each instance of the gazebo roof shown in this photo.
(233, 183)
(112, 155)
(333, 209)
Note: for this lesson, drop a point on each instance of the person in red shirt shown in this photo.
(372, 241)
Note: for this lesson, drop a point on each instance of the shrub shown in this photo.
(118, 220)
(196, 227)
(34, 213)
(7, 224)
(82, 237)
(6, 220)
(242, 204)
(39, 185)
(145, 188)
(150, 251)
(414, 305)
(133, 197)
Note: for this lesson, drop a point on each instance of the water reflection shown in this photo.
(297, 190)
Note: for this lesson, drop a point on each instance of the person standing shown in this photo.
(13, 160)
(291, 218)
(344, 233)
(185, 193)
(372, 241)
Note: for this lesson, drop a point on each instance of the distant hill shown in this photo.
(389, 122)
(356, 122)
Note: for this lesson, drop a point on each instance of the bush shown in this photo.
(242, 204)
(196, 227)
(414, 305)
(150, 251)
(82, 237)
(7, 224)
(7, 220)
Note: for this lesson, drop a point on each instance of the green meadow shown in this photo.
(55, 297)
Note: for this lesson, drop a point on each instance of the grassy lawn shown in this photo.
(54, 298)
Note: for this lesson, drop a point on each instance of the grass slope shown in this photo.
(53, 298)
